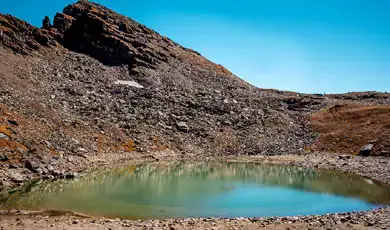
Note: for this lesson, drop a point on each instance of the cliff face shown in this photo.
(111, 38)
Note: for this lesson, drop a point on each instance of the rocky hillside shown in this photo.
(93, 82)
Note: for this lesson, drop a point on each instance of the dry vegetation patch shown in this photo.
(347, 128)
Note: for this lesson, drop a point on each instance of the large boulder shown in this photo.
(366, 150)
(33, 165)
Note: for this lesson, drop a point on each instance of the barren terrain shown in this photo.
(97, 89)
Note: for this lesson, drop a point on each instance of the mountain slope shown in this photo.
(97, 82)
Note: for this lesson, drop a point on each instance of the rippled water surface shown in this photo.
(173, 189)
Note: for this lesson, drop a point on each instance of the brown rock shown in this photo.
(33, 165)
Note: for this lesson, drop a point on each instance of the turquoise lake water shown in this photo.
(176, 189)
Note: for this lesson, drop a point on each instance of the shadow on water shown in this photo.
(176, 189)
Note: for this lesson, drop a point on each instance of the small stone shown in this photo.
(83, 155)
(56, 173)
(129, 83)
(56, 158)
(182, 126)
(71, 76)
(82, 150)
(3, 136)
(344, 157)
(3, 158)
(226, 122)
(49, 177)
(13, 166)
(17, 178)
(70, 175)
(13, 122)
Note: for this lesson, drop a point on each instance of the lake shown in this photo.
(202, 189)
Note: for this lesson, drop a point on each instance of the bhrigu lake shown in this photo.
(211, 189)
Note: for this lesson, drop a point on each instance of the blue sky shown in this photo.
(308, 46)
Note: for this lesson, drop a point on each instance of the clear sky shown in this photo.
(308, 46)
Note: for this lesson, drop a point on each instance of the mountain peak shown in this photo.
(101, 33)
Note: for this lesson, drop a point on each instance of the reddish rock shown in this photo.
(21, 37)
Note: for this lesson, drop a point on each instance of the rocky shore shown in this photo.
(376, 219)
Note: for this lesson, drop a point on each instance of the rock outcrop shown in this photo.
(21, 37)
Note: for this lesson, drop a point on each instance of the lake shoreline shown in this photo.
(374, 168)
